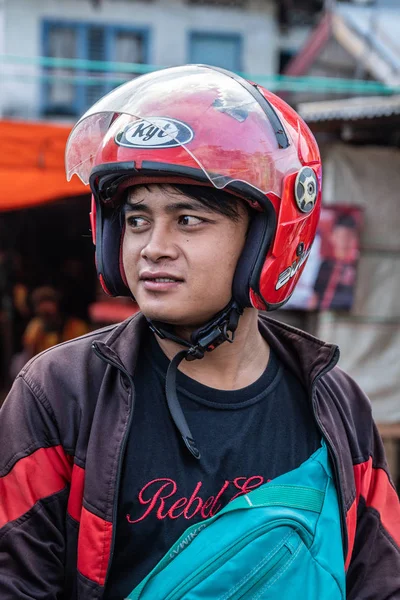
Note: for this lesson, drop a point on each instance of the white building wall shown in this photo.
(2, 26)
(2, 51)
(169, 21)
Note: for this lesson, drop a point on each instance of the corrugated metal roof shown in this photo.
(350, 109)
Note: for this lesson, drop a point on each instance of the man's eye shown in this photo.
(190, 220)
(136, 222)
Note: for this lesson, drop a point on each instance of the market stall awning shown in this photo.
(32, 165)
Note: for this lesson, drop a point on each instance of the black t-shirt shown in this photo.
(246, 437)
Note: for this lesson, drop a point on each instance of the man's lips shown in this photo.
(160, 276)
(159, 281)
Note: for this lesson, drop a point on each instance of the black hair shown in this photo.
(345, 220)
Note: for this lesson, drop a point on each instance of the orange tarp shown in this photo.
(32, 165)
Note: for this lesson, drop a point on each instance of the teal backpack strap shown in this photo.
(290, 496)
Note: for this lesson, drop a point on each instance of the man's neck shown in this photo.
(230, 366)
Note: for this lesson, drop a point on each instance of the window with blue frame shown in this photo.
(70, 89)
(217, 49)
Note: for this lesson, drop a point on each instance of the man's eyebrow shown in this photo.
(192, 205)
(136, 207)
(169, 208)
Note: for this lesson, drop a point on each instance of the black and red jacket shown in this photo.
(63, 429)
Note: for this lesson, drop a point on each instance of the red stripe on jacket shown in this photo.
(351, 524)
(94, 546)
(76, 493)
(43, 473)
(375, 487)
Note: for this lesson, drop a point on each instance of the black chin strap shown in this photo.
(217, 331)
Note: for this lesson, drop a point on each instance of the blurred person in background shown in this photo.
(206, 199)
(18, 288)
(334, 286)
(49, 326)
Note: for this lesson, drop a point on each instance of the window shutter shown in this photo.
(96, 50)
(62, 43)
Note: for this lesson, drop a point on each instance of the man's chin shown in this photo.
(177, 318)
(168, 318)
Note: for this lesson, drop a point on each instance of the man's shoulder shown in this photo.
(343, 386)
(320, 357)
(346, 411)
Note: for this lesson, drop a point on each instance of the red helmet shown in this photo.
(204, 125)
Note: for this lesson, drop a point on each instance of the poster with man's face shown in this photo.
(329, 277)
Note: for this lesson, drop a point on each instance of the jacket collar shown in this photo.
(302, 353)
(305, 355)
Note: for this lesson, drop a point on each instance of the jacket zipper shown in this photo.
(335, 461)
(122, 369)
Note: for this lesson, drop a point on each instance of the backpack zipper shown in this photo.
(224, 555)
(267, 571)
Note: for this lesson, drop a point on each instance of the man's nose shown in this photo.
(160, 244)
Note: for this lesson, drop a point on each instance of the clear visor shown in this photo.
(210, 115)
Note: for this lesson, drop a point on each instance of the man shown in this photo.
(206, 195)
(334, 286)
(49, 326)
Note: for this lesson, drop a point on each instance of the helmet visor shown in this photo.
(212, 116)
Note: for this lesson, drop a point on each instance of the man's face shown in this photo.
(179, 256)
(344, 241)
(48, 311)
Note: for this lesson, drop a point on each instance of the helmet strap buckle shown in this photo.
(218, 330)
